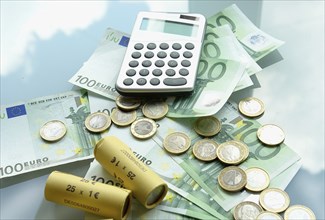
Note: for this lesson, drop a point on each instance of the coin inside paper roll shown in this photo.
(118, 160)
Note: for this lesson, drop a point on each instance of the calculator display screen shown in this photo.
(170, 27)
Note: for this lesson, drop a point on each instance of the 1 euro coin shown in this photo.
(232, 179)
(143, 128)
(127, 103)
(122, 118)
(155, 110)
(232, 152)
(53, 130)
(251, 107)
(177, 143)
(247, 210)
(257, 179)
(270, 134)
(207, 126)
(205, 149)
(299, 212)
(98, 122)
(274, 200)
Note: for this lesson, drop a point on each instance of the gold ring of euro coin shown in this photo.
(143, 128)
(177, 143)
(53, 130)
(274, 200)
(232, 152)
(266, 215)
(247, 210)
(251, 107)
(232, 178)
(205, 149)
(155, 110)
(270, 134)
(98, 122)
(257, 179)
(299, 212)
(127, 103)
(207, 126)
(122, 118)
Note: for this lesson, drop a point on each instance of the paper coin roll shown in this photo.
(91, 196)
(118, 160)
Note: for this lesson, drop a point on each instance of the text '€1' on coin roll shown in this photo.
(87, 195)
(53, 130)
(247, 210)
(118, 160)
(274, 200)
(207, 126)
(177, 143)
(232, 178)
(251, 107)
(98, 122)
(270, 134)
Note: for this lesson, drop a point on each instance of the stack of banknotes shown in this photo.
(231, 48)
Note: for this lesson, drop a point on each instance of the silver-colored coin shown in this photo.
(98, 122)
(53, 130)
(155, 110)
(232, 152)
(232, 178)
(123, 118)
(274, 200)
(297, 212)
(247, 211)
(270, 134)
(205, 149)
(266, 215)
(207, 126)
(177, 142)
(251, 107)
(127, 103)
(257, 179)
(143, 128)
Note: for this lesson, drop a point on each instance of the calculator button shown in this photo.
(136, 55)
(174, 55)
(133, 63)
(189, 46)
(141, 81)
(138, 46)
(157, 72)
(128, 81)
(172, 63)
(149, 54)
(146, 63)
(170, 72)
(175, 81)
(144, 72)
(186, 63)
(187, 54)
(154, 81)
(151, 46)
(130, 72)
(161, 54)
(159, 63)
(177, 46)
(183, 72)
(164, 46)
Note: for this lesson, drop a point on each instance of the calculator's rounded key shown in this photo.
(133, 63)
(144, 72)
(174, 55)
(130, 72)
(141, 81)
(172, 63)
(138, 46)
(164, 46)
(149, 54)
(175, 81)
(189, 46)
(151, 46)
(146, 63)
(184, 72)
(162, 54)
(176, 46)
(170, 72)
(136, 55)
(186, 63)
(187, 54)
(159, 63)
(157, 72)
(154, 81)
(128, 81)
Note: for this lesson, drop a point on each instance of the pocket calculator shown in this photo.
(162, 55)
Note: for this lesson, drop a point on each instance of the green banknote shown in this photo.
(256, 42)
(22, 148)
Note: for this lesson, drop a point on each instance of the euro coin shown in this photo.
(251, 107)
(143, 128)
(247, 210)
(123, 118)
(207, 126)
(155, 110)
(205, 150)
(274, 200)
(127, 103)
(257, 179)
(266, 215)
(299, 212)
(232, 152)
(98, 122)
(53, 130)
(232, 179)
(270, 134)
(177, 143)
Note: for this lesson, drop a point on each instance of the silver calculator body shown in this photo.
(163, 54)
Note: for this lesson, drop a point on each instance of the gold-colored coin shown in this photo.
(53, 130)
(98, 122)
(270, 134)
(155, 110)
(266, 215)
(177, 142)
(143, 128)
(274, 200)
(247, 210)
(299, 212)
(127, 103)
(257, 179)
(205, 149)
(232, 152)
(251, 107)
(207, 126)
(232, 178)
(123, 118)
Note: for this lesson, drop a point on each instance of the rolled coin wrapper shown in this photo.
(118, 159)
(98, 198)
